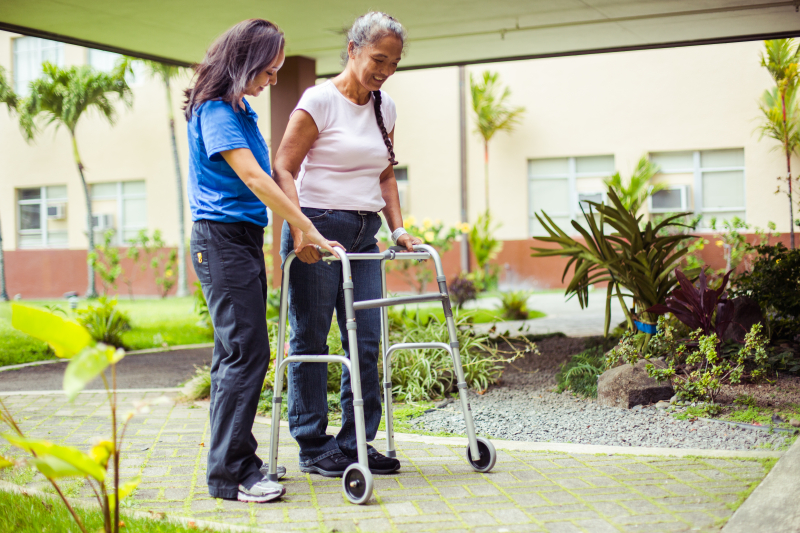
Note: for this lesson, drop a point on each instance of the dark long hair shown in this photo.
(233, 61)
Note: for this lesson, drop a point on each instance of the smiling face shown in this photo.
(267, 77)
(372, 65)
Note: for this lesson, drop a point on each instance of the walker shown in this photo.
(357, 480)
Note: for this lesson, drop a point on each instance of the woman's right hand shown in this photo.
(304, 245)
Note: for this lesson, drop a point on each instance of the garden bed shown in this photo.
(525, 406)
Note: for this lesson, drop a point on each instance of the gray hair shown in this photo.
(370, 28)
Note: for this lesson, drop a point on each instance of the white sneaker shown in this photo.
(262, 491)
(265, 470)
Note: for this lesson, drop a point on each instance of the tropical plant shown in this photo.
(514, 305)
(462, 289)
(9, 98)
(60, 97)
(699, 307)
(639, 188)
(167, 74)
(152, 252)
(88, 360)
(773, 284)
(432, 232)
(638, 261)
(106, 262)
(492, 114)
(104, 322)
(780, 108)
(485, 246)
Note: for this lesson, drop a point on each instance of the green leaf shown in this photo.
(101, 452)
(87, 365)
(66, 337)
(5, 463)
(124, 491)
(54, 460)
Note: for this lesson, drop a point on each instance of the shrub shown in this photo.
(199, 386)
(462, 289)
(773, 283)
(485, 246)
(104, 322)
(581, 372)
(201, 306)
(514, 305)
(105, 261)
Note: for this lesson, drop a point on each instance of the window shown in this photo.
(716, 177)
(102, 60)
(29, 54)
(121, 206)
(561, 187)
(674, 199)
(401, 175)
(42, 217)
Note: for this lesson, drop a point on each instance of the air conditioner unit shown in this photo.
(102, 222)
(673, 199)
(57, 212)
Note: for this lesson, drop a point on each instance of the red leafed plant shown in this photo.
(699, 306)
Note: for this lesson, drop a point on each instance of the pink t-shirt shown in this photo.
(343, 167)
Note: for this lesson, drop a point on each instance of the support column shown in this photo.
(297, 74)
(462, 120)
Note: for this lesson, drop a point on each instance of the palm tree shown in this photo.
(9, 98)
(781, 117)
(635, 193)
(60, 97)
(167, 73)
(493, 114)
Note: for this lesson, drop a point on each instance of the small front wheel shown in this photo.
(357, 484)
(488, 456)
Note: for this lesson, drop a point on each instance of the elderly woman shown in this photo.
(229, 187)
(339, 143)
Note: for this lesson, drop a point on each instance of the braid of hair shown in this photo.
(379, 116)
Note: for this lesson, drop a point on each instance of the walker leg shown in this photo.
(387, 370)
(277, 402)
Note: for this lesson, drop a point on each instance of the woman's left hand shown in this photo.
(408, 241)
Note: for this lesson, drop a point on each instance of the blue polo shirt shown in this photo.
(215, 191)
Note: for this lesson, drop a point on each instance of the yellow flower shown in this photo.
(427, 223)
(720, 243)
(168, 273)
(429, 236)
(410, 221)
(463, 227)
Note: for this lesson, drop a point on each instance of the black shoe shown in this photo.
(332, 466)
(380, 464)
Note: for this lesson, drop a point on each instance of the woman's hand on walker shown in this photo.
(306, 250)
(408, 241)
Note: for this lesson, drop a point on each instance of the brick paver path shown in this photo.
(436, 489)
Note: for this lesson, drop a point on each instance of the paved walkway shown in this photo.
(436, 490)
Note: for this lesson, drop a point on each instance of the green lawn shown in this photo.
(155, 323)
(476, 316)
(30, 514)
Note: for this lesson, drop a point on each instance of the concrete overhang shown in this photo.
(441, 32)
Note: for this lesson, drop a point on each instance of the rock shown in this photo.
(746, 312)
(662, 405)
(673, 399)
(627, 385)
(794, 423)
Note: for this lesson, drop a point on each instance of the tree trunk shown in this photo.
(183, 289)
(788, 170)
(90, 290)
(3, 293)
(486, 172)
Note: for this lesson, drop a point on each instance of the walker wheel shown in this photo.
(357, 484)
(488, 456)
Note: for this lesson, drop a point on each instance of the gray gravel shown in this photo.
(522, 409)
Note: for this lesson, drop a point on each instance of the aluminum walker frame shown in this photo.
(357, 480)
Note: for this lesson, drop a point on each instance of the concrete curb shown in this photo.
(562, 447)
(91, 391)
(773, 505)
(184, 521)
(133, 352)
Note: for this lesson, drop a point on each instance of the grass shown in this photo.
(475, 316)
(31, 514)
(155, 323)
(579, 374)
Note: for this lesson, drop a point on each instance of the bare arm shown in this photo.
(250, 172)
(391, 211)
(301, 132)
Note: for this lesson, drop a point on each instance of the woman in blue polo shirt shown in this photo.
(230, 185)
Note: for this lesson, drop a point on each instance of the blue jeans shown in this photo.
(229, 262)
(314, 292)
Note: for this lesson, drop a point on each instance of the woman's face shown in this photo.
(265, 78)
(374, 64)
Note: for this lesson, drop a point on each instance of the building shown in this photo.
(693, 110)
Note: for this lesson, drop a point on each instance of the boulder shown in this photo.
(746, 312)
(627, 385)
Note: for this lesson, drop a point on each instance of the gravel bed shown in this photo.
(524, 408)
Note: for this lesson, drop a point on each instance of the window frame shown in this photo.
(43, 202)
(119, 197)
(56, 45)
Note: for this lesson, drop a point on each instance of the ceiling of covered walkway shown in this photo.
(441, 32)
